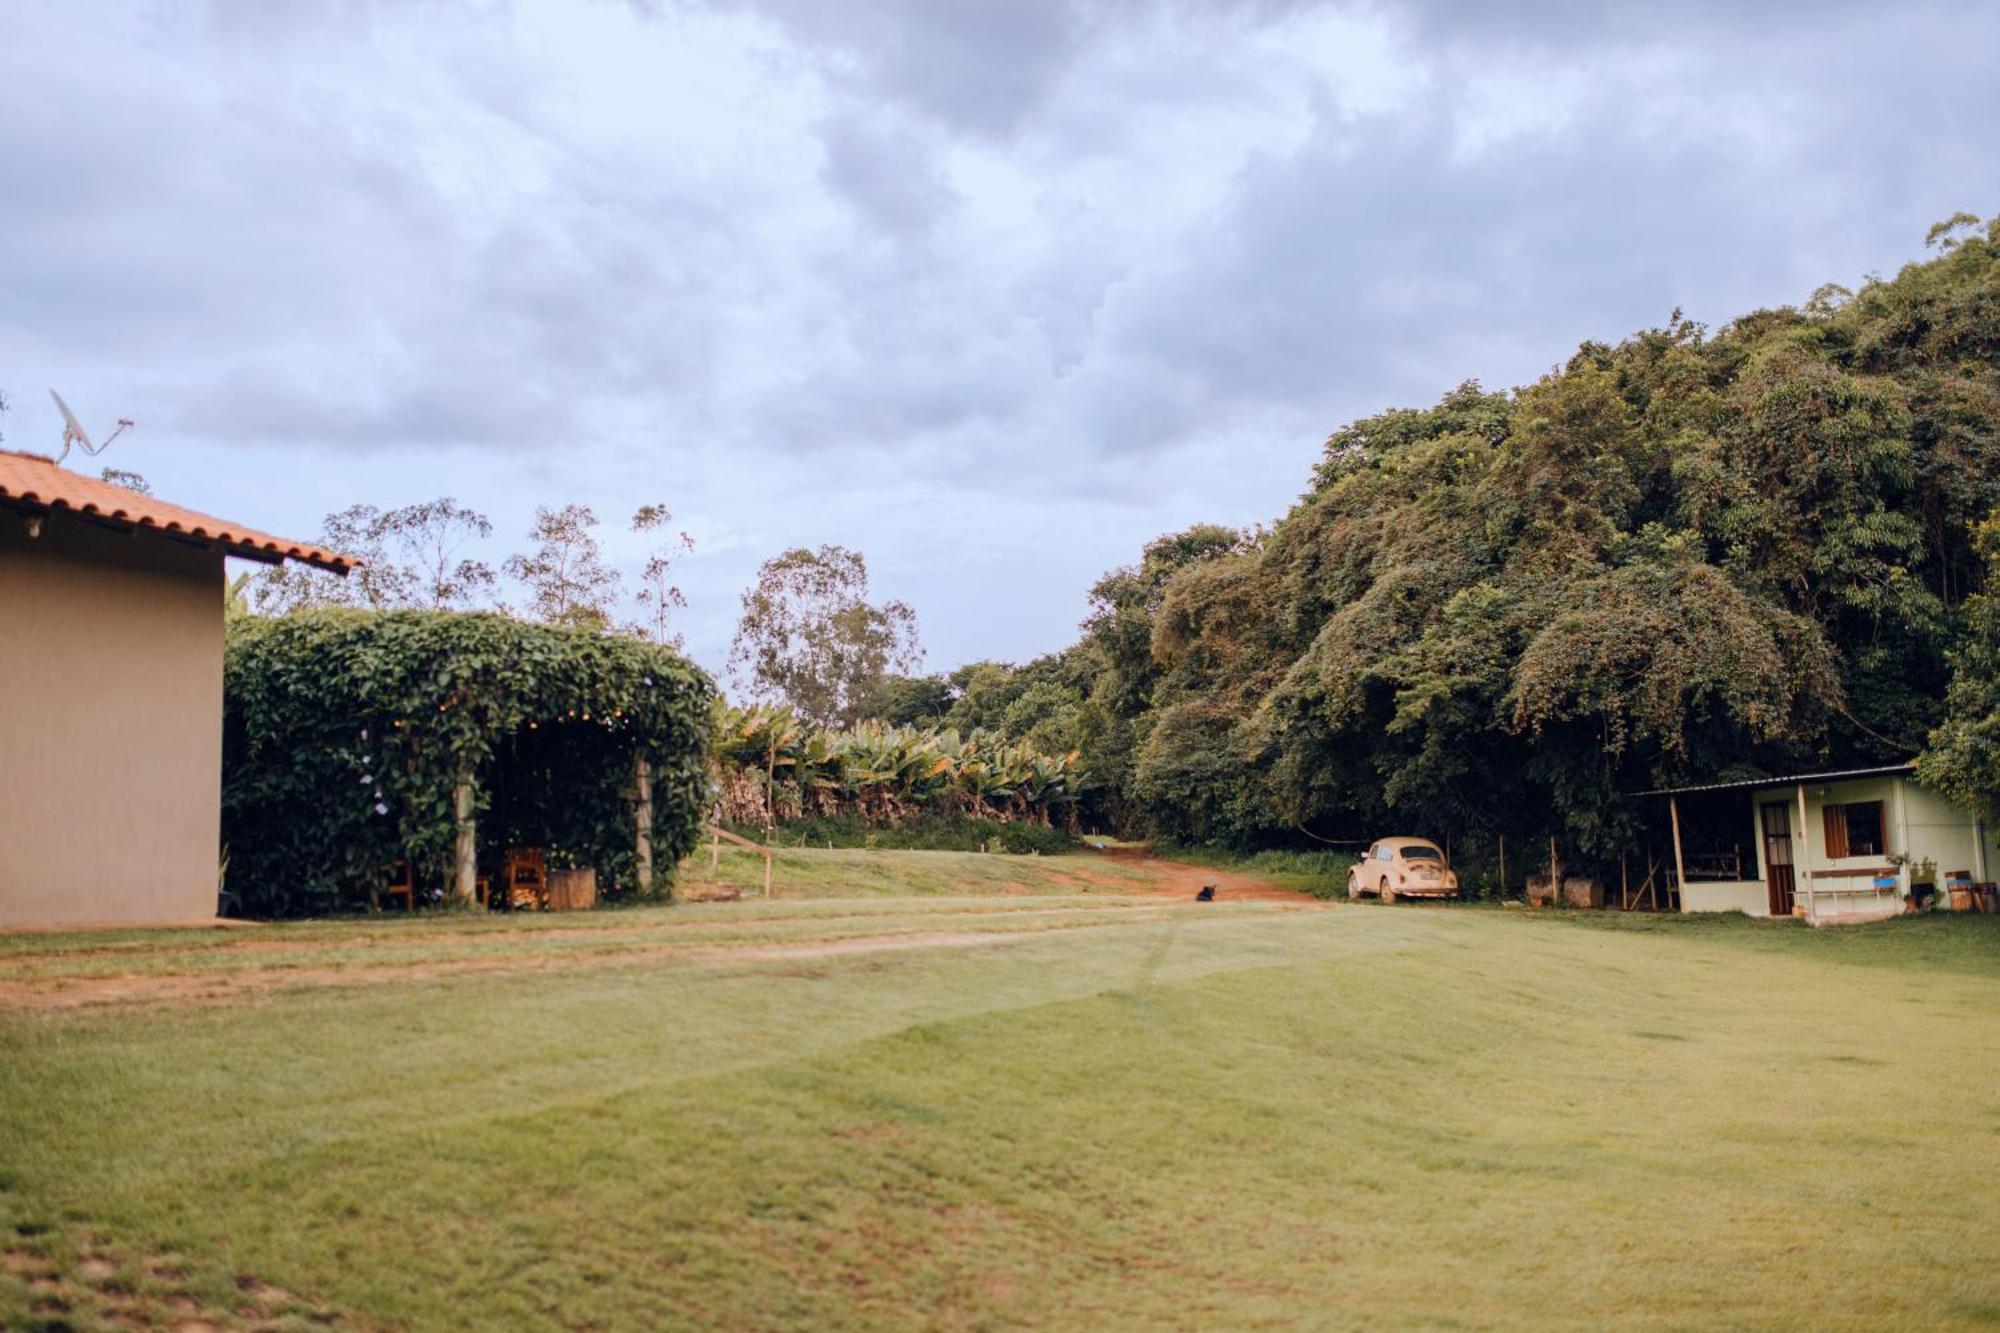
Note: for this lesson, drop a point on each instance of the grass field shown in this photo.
(1006, 1108)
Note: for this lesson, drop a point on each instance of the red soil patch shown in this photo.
(1172, 879)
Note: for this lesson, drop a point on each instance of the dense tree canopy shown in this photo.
(1688, 555)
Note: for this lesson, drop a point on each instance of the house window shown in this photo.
(1854, 830)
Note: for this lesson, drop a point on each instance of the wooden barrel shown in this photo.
(572, 890)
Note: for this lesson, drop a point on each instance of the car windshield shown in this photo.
(1422, 854)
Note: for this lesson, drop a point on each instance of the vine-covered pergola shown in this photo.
(355, 739)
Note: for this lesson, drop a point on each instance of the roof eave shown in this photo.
(273, 553)
(1781, 780)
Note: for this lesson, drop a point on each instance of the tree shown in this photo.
(810, 637)
(1681, 556)
(568, 582)
(408, 559)
(1963, 761)
(430, 536)
(658, 593)
(908, 701)
(379, 582)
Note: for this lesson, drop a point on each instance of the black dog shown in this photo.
(1207, 894)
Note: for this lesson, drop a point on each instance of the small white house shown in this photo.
(1848, 845)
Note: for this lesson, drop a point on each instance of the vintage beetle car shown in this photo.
(1403, 868)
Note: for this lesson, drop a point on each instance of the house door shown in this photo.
(1778, 857)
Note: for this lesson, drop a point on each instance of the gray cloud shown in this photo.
(970, 286)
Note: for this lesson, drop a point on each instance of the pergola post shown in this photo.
(642, 820)
(1680, 862)
(465, 858)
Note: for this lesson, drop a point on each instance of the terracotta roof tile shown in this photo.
(33, 481)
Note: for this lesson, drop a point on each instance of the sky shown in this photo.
(992, 291)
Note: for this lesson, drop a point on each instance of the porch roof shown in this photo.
(1780, 780)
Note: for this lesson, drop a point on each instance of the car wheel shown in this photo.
(1386, 894)
(1353, 887)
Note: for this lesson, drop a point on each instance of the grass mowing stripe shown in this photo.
(1358, 1115)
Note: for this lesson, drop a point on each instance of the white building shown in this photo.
(1848, 845)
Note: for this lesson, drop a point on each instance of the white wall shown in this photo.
(1941, 832)
(1748, 896)
(1916, 822)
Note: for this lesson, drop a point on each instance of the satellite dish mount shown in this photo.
(74, 433)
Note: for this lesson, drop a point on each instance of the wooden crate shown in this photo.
(572, 890)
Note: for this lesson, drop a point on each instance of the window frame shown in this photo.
(1837, 828)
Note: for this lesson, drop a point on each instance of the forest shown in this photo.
(1695, 555)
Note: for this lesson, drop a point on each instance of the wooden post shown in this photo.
(465, 875)
(1680, 865)
(767, 870)
(642, 822)
(1503, 865)
(1624, 886)
(714, 850)
(1802, 862)
(1555, 874)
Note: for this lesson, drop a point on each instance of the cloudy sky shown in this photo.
(990, 290)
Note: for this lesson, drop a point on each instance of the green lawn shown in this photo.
(811, 872)
(1073, 1111)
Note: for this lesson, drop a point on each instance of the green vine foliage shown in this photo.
(345, 732)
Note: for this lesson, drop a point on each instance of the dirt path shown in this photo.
(287, 964)
(1173, 879)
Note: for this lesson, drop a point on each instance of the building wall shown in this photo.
(110, 725)
(1917, 823)
(1939, 831)
(1731, 895)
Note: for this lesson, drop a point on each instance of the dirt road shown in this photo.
(1173, 879)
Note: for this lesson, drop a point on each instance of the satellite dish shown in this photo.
(75, 434)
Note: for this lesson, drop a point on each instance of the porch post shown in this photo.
(1802, 859)
(465, 861)
(1680, 863)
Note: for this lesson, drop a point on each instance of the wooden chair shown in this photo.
(526, 878)
(403, 886)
